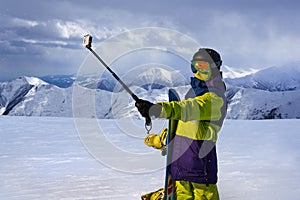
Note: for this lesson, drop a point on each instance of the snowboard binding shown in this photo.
(156, 195)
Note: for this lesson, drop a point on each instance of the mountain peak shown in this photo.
(35, 81)
(268, 93)
(229, 72)
(282, 78)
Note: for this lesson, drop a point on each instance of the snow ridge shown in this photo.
(266, 94)
(286, 78)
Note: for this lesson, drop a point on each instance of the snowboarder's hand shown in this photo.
(147, 108)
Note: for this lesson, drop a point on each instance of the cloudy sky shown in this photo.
(44, 37)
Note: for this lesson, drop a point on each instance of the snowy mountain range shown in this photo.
(271, 93)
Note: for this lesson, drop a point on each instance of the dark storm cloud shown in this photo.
(248, 33)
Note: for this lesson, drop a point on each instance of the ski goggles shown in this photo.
(201, 66)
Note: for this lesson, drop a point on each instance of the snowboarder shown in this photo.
(200, 116)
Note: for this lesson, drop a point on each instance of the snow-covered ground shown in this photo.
(45, 158)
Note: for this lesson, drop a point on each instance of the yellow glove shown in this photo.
(157, 141)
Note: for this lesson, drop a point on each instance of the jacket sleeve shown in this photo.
(204, 107)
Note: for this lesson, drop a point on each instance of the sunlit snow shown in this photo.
(45, 158)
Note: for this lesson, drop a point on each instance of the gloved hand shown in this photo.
(148, 109)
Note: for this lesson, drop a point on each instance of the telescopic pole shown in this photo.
(87, 42)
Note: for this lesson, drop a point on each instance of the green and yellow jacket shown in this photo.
(200, 117)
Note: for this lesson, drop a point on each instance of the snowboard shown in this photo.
(169, 188)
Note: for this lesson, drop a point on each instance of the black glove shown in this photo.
(147, 108)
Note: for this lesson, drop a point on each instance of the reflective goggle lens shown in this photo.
(201, 66)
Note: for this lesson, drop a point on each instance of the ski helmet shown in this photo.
(208, 55)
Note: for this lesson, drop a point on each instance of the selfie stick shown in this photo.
(87, 42)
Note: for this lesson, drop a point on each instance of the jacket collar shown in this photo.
(200, 87)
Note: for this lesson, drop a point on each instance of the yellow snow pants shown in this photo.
(186, 190)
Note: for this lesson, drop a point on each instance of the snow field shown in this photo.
(45, 158)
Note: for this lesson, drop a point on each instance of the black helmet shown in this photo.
(208, 55)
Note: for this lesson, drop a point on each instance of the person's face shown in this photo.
(203, 70)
